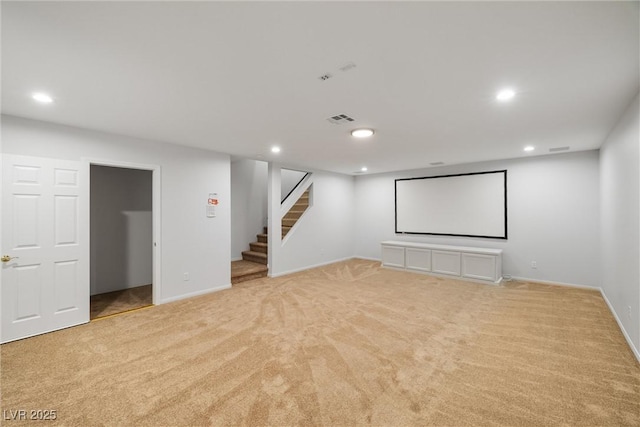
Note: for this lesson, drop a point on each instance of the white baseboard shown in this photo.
(549, 282)
(196, 294)
(236, 259)
(309, 267)
(624, 331)
(367, 258)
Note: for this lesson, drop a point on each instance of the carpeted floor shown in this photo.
(103, 305)
(346, 344)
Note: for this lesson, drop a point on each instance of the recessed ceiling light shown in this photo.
(505, 95)
(362, 133)
(275, 149)
(364, 169)
(529, 148)
(42, 97)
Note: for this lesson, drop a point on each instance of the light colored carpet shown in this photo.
(120, 301)
(346, 344)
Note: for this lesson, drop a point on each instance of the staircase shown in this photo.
(254, 261)
(257, 250)
(294, 214)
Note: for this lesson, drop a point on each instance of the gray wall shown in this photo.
(553, 210)
(248, 204)
(620, 219)
(121, 228)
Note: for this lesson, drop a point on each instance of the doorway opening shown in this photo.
(121, 239)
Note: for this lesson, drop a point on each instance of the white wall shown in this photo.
(190, 242)
(121, 229)
(248, 204)
(553, 216)
(620, 215)
(325, 233)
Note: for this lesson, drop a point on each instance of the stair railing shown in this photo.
(295, 194)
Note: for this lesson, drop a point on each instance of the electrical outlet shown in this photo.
(185, 277)
(534, 264)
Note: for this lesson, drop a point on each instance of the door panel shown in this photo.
(26, 209)
(66, 177)
(45, 227)
(28, 287)
(66, 220)
(65, 284)
(24, 174)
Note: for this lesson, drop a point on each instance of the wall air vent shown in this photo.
(340, 119)
(556, 149)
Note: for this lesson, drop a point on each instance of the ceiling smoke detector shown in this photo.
(340, 119)
(348, 66)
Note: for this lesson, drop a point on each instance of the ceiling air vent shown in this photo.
(556, 149)
(436, 163)
(340, 119)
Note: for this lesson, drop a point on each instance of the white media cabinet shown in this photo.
(476, 264)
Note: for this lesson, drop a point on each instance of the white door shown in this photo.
(45, 284)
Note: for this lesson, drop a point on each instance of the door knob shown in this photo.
(7, 258)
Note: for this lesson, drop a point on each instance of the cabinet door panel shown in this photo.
(418, 259)
(482, 267)
(393, 256)
(446, 262)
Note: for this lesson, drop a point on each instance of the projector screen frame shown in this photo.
(504, 237)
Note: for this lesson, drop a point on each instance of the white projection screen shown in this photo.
(469, 205)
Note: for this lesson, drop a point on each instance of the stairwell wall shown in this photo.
(325, 233)
(248, 203)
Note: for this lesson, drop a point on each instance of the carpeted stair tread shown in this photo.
(254, 257)
(289, 222)
(259, 247)
(294, 214)
(242, 271)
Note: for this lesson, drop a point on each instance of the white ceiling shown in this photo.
(238, 77)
